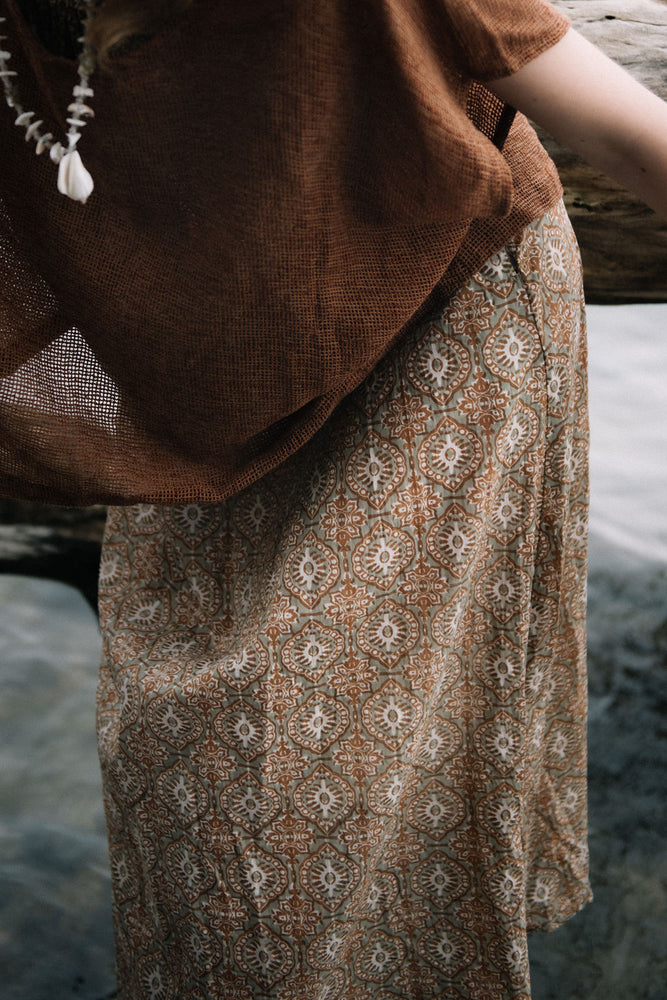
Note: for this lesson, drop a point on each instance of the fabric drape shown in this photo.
(279, 189)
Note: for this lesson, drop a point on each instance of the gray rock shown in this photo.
(616, 948)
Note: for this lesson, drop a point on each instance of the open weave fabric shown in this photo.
(279, 187)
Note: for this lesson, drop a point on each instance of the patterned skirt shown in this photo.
(342, 714)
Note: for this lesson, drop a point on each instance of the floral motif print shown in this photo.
(342, 715)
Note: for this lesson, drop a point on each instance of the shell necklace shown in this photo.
(73, 178)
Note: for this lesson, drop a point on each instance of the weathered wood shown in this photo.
(623, 244)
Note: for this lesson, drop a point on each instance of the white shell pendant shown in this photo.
(73, 178)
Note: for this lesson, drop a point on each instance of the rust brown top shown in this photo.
(281, 187)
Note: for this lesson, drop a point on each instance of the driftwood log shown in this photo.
(623, 244)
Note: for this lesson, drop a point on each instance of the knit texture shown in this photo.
(281, 189)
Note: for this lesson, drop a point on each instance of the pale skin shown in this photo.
(591, 105)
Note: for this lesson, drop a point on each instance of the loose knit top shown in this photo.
(281, 187)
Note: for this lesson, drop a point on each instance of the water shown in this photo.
(55, 929)
(628, 405)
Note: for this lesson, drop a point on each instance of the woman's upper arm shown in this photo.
(570, 90)
(590, 104)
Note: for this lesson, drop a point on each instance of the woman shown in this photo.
(342, 707)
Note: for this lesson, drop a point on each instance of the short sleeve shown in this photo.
(495, 38)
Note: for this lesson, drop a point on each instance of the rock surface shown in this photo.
(52, 543)
(623, 243)
(616, 948)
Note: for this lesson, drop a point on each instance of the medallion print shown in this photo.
(376, 389)
(559, 381)
(265, 956)
(575, 532)
(178, 646)
(183, 793)
(124, 872)
(155, 982)
(311, 570)
(329, 707)
(388, 791)
(329, 877)
(452, 539)
(324, 798)
(115, 573)
(382, 555)
(448, 949)
(198, 598)
(202, 951)
(556, 262)
(503, 589)
(148, 609)
(500, 666)
(242, 668)
(470, 311)
(511, 348)
(257, 875)
(440, 879)
(518, 434)
(567, 457)
(192, 523)
(500, 741)
(326, 949)
(438, 743)
(513, 509)
(439, 365)
(173, 722)
(450, 454)
(511, 954)
(319, 722)
(499, 274)
(312, 650)
(389, 633)
(504, 883)
(555, 684)
(256, 514)
(147, 519)
(500, 813)
(244, 730)
(249, 803)
(449, 620)
(391, 714)
(379, 958)
(375, 469)
(126, 778)
(380, 897)
(192, 873)
(318, 488)
(436, 810)
(543, 887)
(561, 744)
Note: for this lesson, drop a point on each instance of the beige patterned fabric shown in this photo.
(342, 714)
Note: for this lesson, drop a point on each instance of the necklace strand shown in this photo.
(73, 178)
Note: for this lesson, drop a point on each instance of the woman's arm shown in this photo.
(590, 104)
